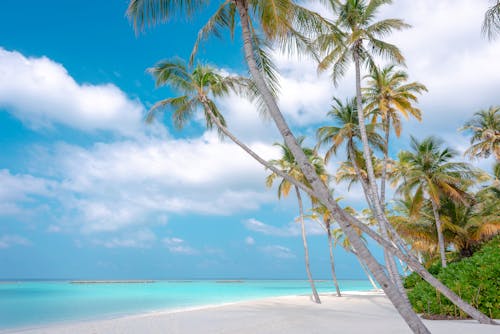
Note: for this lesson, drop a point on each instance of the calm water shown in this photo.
(36, 303)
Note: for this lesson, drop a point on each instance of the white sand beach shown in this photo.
(353, 313)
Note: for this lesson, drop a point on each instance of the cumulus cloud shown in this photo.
(292, 229)
(179, 246)
(278, 251)
(447, 53)
(115, 185)
(10, 240)
(443, 49)
(41, 93)
(18, 190)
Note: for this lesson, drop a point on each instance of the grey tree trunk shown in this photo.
(387, 128)
(417, 267)
(306, 249)
(377, 207)
(367, 272)
(332, 260)
(320, 190)
(439, 228)
(340, 214)
(364, 184)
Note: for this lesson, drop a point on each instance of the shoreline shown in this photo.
(354, 312)
(167, 311)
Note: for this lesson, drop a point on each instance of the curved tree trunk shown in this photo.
(439, 228)
(332, 261)
(364, 137)
(367, 272)
(417, 267)
(320, 191)
(306, 249)
(338, 213)
(390, 263)
(377, 205)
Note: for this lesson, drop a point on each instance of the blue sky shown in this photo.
(87, 190)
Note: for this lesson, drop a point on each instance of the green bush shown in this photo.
(411, 280)
(475, 279)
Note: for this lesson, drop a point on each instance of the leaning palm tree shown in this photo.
(432, 174)
(389, 95)
(288, 164)
(197, 87)
(275, 19)
(356, 38)
(491, 23)
(485, 130)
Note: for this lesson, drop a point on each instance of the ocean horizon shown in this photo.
(31, 303)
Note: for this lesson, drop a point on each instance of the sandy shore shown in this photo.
(353, 313)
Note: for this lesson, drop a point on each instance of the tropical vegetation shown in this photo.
(474, 278)
(441, 205)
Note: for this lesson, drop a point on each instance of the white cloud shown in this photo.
(245, 121)
(278, 251)
(249, 241)
(41, 93)
(114, 185)
(137, 239)
(21, 189)
(179, 246)
(7, 241)
(444, 50)
(447, 53)
(292, 229)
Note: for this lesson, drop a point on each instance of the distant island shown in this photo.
(113, 282)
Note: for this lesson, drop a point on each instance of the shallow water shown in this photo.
(35, 303)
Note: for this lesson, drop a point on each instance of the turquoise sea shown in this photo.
(33, 303)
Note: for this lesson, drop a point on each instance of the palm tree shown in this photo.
(485, 129)
(326, 222)
(275, 18)
(432, 174)
(347, 172)
(345, 131)
(388, 96)
(491, 23)
(288, 164)
(414, 221)
(357, 38)
(197, 89)
(464, 226)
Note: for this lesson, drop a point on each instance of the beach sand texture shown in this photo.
(353, 313)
